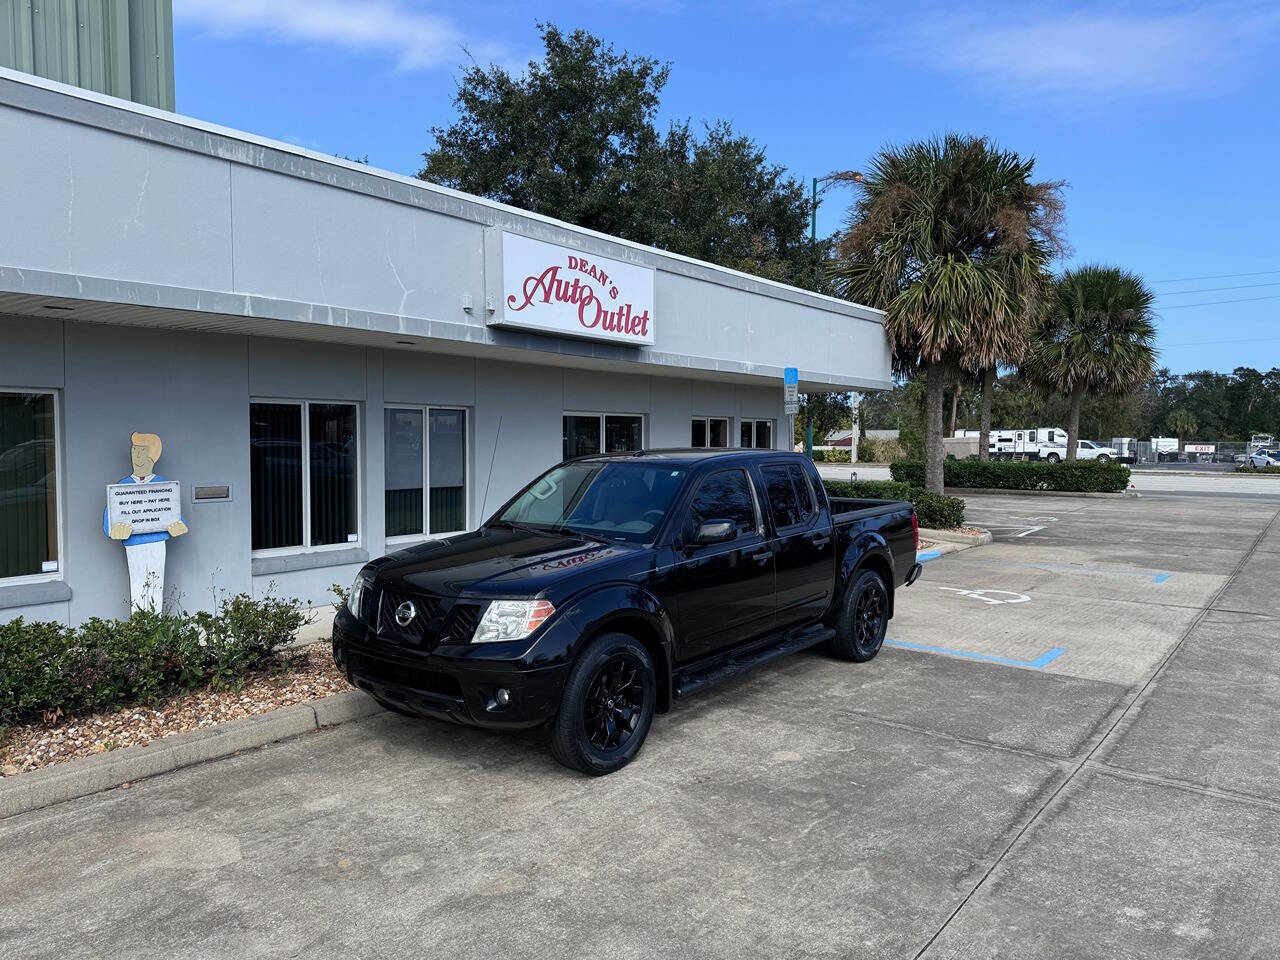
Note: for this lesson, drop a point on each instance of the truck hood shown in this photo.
(495, 563)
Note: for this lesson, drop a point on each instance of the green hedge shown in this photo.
(47, 667)
(1082, 476)
(832, 456)
(1246, 468)
(934, 510)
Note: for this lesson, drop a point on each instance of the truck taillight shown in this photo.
(915, 529)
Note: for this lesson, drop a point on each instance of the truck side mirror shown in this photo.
(714, 531)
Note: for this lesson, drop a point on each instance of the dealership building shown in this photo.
(337, 361)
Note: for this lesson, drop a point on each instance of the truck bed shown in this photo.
(856, 508)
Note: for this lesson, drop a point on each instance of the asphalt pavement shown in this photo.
(1068, 750)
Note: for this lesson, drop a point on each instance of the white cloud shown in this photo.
(1116, 51)
(415, 38)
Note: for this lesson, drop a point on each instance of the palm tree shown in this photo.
(949, 237)
(1181, 423)
(1097, 339)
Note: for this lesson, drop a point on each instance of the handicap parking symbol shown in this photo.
(990, 596)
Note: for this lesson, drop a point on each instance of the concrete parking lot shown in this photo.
(1067, 751)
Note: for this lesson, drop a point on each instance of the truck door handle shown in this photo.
(820, 540)
(762, 556)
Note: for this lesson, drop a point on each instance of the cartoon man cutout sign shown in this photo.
(145, 552)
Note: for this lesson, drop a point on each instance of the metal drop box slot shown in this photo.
(211, 493)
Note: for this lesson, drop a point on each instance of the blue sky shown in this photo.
(1164, 119)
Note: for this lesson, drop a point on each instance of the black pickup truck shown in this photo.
(612, 584)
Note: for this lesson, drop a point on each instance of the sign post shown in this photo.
(791, 402)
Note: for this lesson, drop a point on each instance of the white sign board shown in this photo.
(563, 291)
(1199, 448)
(146, 507)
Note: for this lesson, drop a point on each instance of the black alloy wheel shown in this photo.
(607, 705)
(614, 703)
(863, 620)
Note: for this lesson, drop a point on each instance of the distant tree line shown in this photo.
(1203, 405)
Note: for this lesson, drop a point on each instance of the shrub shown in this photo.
(933, 510)
(868, 489)
(880, 450)
(105, 664)
(937, 510)
(834, 455)
(1082, 476)
(911, 439)
(1246, 468)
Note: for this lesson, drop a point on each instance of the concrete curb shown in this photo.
(79, 778)
(969, 491)
(955, 536)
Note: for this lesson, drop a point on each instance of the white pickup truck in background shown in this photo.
(1088, 450)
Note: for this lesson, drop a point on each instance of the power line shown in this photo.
(1208, 343)
(1218, 276)
(1242, 286)
(1212, 303)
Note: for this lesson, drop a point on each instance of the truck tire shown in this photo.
(1103, 458)
(864, 617)
(607, 706)
(1053, 458)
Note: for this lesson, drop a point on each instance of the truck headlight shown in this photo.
(360, 596)
(512, 620)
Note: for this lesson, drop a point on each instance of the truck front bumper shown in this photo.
(451, 682)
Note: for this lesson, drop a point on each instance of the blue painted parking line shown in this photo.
(1039, 663)
(1154, 576)
(924, 556)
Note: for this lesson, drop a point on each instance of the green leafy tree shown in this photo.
(827, 412)
(570, 138)
(1097, 338)
(950, 238)
(574, 138)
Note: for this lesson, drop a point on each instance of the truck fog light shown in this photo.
(503, 696)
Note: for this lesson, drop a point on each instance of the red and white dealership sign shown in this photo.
(559, 290)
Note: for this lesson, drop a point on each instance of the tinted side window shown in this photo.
(724, 496)
(819, 494)
(782, 495)
(803, 494)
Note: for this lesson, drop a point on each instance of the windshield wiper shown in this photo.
(514, 525)
(573, 531)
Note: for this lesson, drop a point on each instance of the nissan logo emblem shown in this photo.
(405, 613)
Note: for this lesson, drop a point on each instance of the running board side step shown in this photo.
(693, 679)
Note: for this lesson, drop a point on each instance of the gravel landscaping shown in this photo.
(309, 676)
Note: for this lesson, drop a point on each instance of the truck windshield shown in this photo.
(609, 499)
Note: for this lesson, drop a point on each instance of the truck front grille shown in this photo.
(423, 626)
(463, 621)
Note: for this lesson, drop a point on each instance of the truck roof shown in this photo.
(689, 454)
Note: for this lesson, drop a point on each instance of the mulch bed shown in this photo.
(32, 746)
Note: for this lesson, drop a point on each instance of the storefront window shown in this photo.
(405, 455)
(590, 433)
(709, 432)
(756, 433)
(447, 449)
(297, 500)
(439, 457)
(28, 485)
